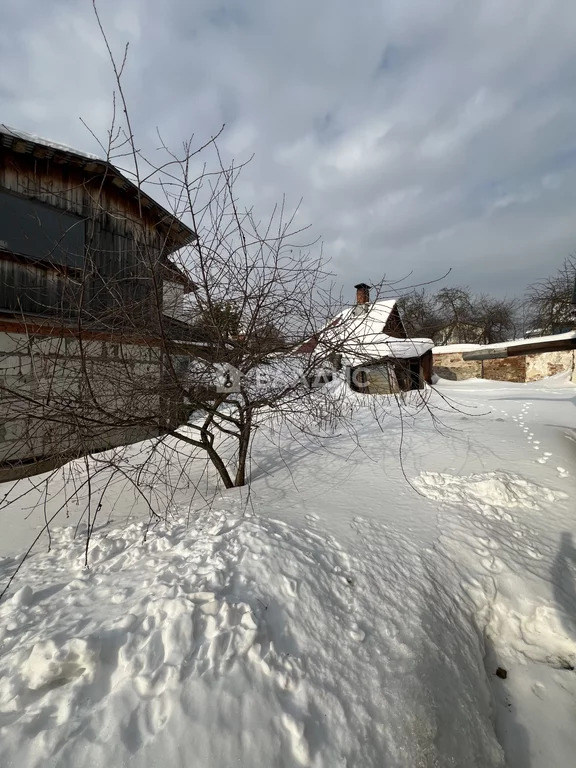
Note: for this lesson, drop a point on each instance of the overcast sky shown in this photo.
(422, 134)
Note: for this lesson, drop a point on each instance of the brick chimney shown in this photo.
(362, 293)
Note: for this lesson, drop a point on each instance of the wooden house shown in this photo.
(90, 303)
(370, 342)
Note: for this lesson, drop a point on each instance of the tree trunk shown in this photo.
(244, 445)
(220, 467)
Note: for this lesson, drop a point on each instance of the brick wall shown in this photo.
(505, 369)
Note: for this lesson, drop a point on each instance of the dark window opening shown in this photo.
(40, 231)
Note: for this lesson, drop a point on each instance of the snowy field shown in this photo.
(352, 610)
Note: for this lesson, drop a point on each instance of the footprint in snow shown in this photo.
(298, 742)
(539, 690)
(290, 586)
(356, 633)
(493, 564)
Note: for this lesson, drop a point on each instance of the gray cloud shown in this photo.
(421, 135)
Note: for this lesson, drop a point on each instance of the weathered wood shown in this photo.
(82, 343)
(123, 244)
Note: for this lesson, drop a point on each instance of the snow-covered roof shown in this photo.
(533, 341)
(358, 334)
(446, 349)
(31, 138)
(380, 346)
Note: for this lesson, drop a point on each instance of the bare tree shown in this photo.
(273, 294)
(420, 313)
(124, 361)
(549, 306)
(456, 315)
(496, 319)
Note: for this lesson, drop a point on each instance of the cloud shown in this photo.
(421, 135)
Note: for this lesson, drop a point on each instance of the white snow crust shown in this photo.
(351, 609)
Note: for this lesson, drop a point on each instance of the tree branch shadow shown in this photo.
(564, 583)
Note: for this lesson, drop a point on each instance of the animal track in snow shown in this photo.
(290, 586)
(356, 633)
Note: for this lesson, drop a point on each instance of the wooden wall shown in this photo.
(55, 402)
(123, 244)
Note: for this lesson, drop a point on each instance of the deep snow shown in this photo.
(351, 610)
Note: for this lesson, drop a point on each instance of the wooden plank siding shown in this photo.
(84, 343)
(76, 190)
(124, 248)
(394, 326)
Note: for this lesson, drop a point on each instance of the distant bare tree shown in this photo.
(497, 319)
(549, 307)
(420, 314)
(456, 315)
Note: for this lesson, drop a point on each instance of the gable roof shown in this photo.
(25, 143)
(358, 334)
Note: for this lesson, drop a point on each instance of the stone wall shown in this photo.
(451, 366)
(549, 364)
(518, 368)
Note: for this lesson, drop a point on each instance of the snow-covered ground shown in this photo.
(350, 610)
